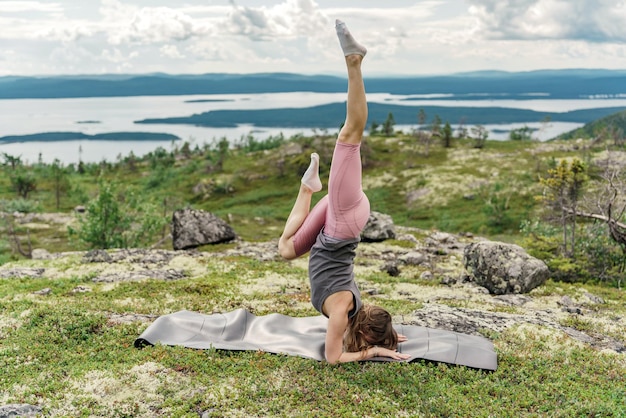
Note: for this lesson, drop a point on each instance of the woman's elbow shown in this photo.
(332, 360)
(286, 250)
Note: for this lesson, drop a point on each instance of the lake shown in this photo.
(118, 114)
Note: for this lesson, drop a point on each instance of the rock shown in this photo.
(565, 301)
(426, 275)
(392, 269)
(97, 256)
(504, 268)
(379, 227)
(595, 299)
(22, 272)
(134, 276)
(514, 300)
(19, 410)
(193, 228)
(40, 254)
(129, 318)
(43, 292)
(81, 289)
(413, 258)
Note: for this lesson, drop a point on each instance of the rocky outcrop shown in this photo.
(194, 228)
(19, 410)
(453, 300)
(379, 227)
(503, 268)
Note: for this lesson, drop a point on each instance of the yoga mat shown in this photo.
(241, 330)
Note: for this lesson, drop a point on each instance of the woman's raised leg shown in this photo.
(356, 106)
(300, 212)
(348, 206)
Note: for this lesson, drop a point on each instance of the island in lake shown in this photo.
(76, 136)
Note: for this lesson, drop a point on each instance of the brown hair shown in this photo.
(370, 326)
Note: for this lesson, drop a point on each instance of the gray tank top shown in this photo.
(331, 269)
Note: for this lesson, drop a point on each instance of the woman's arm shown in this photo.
(334, 344)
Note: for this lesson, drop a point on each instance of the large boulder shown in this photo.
(19, 410)
(193, 228)
(379, 227)
(503, 268)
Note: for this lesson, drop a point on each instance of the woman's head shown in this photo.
(370, 326)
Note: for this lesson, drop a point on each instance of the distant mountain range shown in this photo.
(552, 84)
(481, 85)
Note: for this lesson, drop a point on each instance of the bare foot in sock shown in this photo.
(348, 44)
(311, 177)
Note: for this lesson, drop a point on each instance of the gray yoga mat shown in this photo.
(240, 330)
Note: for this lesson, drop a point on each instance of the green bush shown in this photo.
(116, 220)
(597, 256)
(19, 205)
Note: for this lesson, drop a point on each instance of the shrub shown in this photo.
(115, 220)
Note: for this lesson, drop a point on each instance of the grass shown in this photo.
(66, 352)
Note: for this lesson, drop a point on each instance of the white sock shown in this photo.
(348, 44)
(311, 177)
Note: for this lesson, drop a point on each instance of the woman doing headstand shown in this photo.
(331, 232)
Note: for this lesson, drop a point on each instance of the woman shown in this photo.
(331, 232)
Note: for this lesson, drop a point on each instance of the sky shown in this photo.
(403, 37)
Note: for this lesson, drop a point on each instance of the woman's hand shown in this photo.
(402, 338)
(385, 352)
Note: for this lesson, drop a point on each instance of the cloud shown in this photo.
(152, 25)
(289, 19)
(171, 51)
(590, 20)
(30, 6)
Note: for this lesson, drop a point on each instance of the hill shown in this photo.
(554, 84)
(69, 316)
(610, 126)
(331, 116)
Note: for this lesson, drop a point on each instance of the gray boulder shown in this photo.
(193, 228)
(503, 268)
(379, 227)
(19, 410)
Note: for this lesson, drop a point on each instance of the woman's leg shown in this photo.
(356, 106)
(348, 206)
(301, 221)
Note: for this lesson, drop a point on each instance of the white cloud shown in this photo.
(591, 20)
(402, 36)
(30, 6)
(171, 51)
(155, 25)
(289, 19)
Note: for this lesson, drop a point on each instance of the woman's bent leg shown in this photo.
(300, 213)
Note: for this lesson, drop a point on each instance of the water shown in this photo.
(118, 114)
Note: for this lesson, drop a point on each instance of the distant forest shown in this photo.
(487, 85)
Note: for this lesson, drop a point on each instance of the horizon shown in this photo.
(405, 38)
(327, 74)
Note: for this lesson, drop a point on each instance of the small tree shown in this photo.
(521, 134)
(435, 126)
(388, 125)
(60, 180)
(23, 182)
(11, 160)
(374, 128)
(113, 220)
(447, 135)
(480, 135)
(563, 189)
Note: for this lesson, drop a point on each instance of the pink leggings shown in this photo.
(342, 213)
